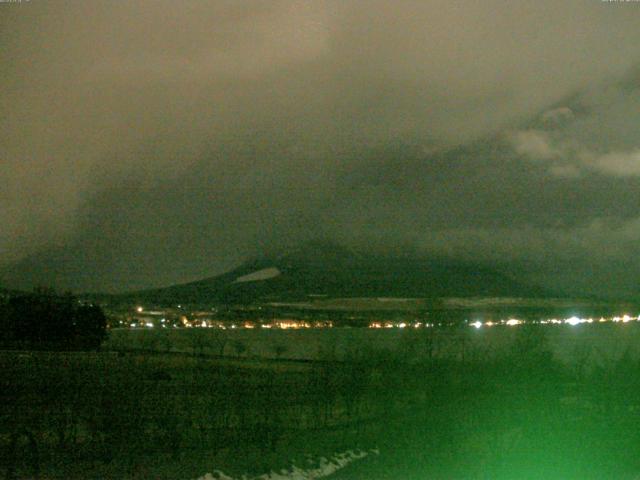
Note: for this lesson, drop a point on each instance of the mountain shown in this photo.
(322, 269)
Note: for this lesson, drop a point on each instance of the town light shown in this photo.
(573, 321)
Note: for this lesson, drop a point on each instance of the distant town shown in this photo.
(271, 316)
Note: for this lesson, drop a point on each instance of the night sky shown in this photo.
(145, 143)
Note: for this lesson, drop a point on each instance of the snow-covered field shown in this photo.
(316, 469)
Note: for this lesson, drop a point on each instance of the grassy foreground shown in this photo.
(511, 414)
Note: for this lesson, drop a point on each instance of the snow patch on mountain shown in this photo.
(264, 274)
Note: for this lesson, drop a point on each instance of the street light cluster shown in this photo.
(555, 321)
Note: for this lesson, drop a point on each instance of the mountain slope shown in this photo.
(334, 271)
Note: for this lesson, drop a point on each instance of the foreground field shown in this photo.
(463, 413)
(80, 415)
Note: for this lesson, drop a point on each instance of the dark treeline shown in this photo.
(44, 320)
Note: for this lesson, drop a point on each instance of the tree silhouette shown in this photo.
(90, 327)
(45, 320)
(279, 349)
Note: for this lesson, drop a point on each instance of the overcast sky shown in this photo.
(145, 143)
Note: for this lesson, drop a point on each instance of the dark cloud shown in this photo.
(156, 142)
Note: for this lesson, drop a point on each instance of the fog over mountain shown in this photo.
(161, 142)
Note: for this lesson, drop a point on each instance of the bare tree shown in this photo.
(240, 347)
(219, 340)
(279, 349)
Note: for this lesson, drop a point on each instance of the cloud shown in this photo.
(622, 164)
(539, 146)
(535, 145)
(565, 171)
(181, 137)
(601, 139)
(557, 115)
(565, 160)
